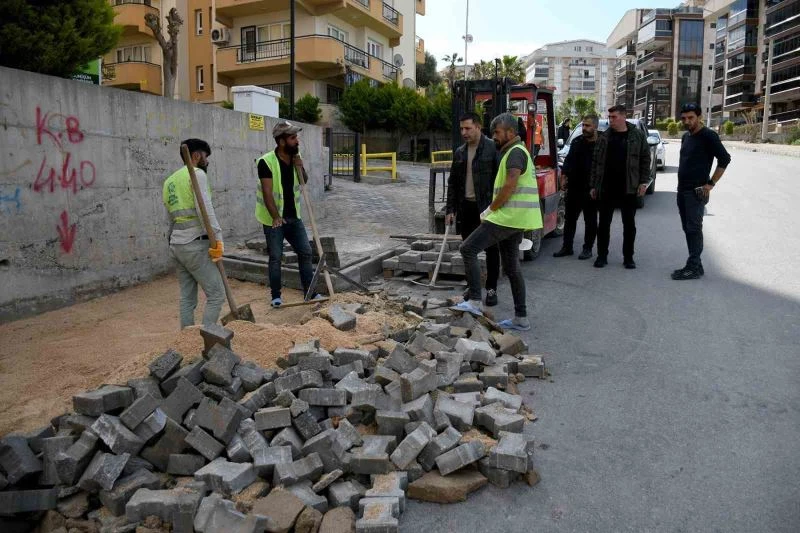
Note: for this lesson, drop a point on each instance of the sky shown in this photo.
(518, 27)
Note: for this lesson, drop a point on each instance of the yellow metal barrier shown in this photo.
(438, 163)
(385, 155)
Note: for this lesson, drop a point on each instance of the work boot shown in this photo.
(563, 252)
(491, 297)
(586, 253)
(600, 262)
(686, 273)
(629, 263)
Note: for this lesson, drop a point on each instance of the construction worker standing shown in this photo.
(278, 206)
(514, 209)
(188, 238)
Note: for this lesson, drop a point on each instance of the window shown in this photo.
(133, 53)
(334, 94)
(199, 78)
(274, 32)
(577, 48)
(336, 33)
(198, 22)
(589, 48)
(710, 46)
(374, 49)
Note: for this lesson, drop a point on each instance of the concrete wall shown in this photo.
(81, 173)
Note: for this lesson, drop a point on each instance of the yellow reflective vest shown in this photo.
(522, 210)
(262, 213)
(178, 198)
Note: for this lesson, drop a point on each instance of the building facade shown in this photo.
(576, 69)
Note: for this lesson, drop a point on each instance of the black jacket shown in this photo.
(484, 170)
(637, 165)
(578, 164)
(563, 132)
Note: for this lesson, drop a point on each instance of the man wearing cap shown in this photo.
(699, 147)
(188, 237)
(278, 206)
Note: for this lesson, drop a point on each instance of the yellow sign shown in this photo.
(256, 122)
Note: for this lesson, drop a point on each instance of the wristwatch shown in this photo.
(710, 182)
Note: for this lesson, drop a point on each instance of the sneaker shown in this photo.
(491, 298)
(563, 252)
(472, 307)
(600, 262)
(630, 264)
(686, 273)
(586, 253)
(465, 294)
(317, 296)
(276, 302)
(518, 323)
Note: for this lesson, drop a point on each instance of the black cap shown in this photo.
(691, 107)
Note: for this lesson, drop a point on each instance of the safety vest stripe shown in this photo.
(183, 213)
(187, 224)
(517, 203)
(520, 190)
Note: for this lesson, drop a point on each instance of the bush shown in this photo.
(673, 128)
(796, 142)
(307, 110)
(793, 136)
(227, 104)
(727, 127)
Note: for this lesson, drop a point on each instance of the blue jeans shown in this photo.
(295, 234)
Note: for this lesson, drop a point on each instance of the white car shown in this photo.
(661, 151)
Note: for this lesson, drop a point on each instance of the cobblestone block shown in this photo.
(410, 447)
(416, 304)
(218, 369)
(326, 480)
(151, 426)
(345, 494)
(116, 436)
(184, 464)
(193, 373)
(510, 344)
(26, 501)
(216, 515)
(494, 376)
(71, 463)
(237, 451)
(181, 399)
(260, 397)
(324, 397)
(373, 456)
(347, 436)
(442, 443)
(204, 443)
(498, 477)
(324, 444)
(300, 380)
(393, 501)
(52, 447)
(510, 453)
(400, 361)
(103, 400)
(460, 414)
(266, 459)
(103, 471)
(511, 401)
(272, 418)
(472, 398)
(393, 390)
(474, 351)
(138, 411)
(341, 319)
(226, 477)
(221, 419)
(165, 364)
(17, 459)
(142, 386)
(304, 491)
(422, 245)
(320, 363)
(421, 343)
(288, 437)
(337, 373)
(420, 410)
(345, 356)
(175, 506)
(309, 467)
(306, 425)
(460, 457)
(467, 383)
(125, 487)
(441, 420)
(377, 518)
(384, 375)
(448, 367)
(419, 381)
(392, 423)
(214, 334)
(411, 257)
(173, 440)
(252, 378)
(496, 418)
(532, 367)
(509, 361)
(351, 384)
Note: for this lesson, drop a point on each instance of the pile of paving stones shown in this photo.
(331, 442)
(420, 256)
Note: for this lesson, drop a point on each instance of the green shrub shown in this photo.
(673, 128)
(307, 110)
(727, 127)
(796, 142)
(793, 135)
(227, 104)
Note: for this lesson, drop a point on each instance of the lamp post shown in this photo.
(467, 39)
(767, 91)
(291, 59)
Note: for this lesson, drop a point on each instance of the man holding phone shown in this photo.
(699, 147)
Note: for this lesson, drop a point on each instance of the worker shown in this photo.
(564, 130)
(575, 181)
(188, 237)
(469, 191)
(278, 206)
(514, 209)
(522, 131)
(538, 140)
(699, 147)
(620, 172)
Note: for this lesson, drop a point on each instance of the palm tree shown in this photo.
(451, 70)
(512, 67)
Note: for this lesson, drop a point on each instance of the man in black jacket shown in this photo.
(575, 180)
(699, 147)
(469, 191)
(564, 130)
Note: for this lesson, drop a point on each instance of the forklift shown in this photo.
(534, 106)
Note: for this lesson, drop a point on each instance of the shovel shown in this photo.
(237, 313)
(432, 284)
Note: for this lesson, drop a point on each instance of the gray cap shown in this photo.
(285, 128)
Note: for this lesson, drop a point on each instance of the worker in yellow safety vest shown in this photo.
(278, 206)
(514, 209)
(188, 237)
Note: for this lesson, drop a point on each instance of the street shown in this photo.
(673, 406)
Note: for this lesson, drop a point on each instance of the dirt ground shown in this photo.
(46, 359)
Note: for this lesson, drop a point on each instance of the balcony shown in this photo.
(653, 77)
(748, 15)
(419, 49)
(626, 51)
(741, 73)
(130, 15)
(373, 14)
(656, 13)
(784, 90)
(420, 7)
(782, 20)
(133, 76)
(785, 116)
(227, 10)
(653, 59)
(652, 38)
(319, 55)
(740, 100)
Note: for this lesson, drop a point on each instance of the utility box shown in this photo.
(253, 99)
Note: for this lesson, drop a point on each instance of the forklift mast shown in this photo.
(465, 93)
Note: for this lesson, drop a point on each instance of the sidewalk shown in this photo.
(766, 148)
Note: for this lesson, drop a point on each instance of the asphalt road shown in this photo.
(673, 406)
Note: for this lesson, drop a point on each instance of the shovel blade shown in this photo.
(243, 313)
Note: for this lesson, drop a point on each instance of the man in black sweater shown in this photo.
(575, 180)
(699, 147)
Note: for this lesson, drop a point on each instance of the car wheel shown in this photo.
(652, 188)
(561, 217)
(533, 253)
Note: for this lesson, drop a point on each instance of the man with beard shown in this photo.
(575, 181)
(278, 206)
(514, 209)
(188, 237)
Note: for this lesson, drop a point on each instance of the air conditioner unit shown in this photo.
(220, 35)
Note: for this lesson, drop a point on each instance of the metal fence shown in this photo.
(345, 154)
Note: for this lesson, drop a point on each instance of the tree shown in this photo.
(170, 48)
(575, 108)
(451, 70)
(482, 70)
(441, 112)
(357, 105)
(307, 110)
(512, 67)
(55, 37)
(426, 72)
(409, 113)
(584, 106)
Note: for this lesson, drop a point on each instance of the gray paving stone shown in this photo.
(216, 515)
(306, 425)
(309, 467)
(213, 334)
(441, 420)
(252, 378)
(305, 492)
(420, 410)
(265, 460)
(324, 397)
(532, 367)
(341, 319)
(17, 459)
(448, 367)
(351, 384)
(151, 426)
(326, 480)
(103, 471)
(419, 381)
(172, 440)
(219, 366)
(300, 380)
(461, 414)
(392, 423)
(326, 446)
(176, 506)
(460, 457)
(193, 373)
(142, 386)
(384, 500)
(474, 351)
(260, 397)
(444, 442)
(393, 390)
(226, 477)
(494, 376)
(472, 398)
(384, 375)
(125, 487)
(116, 436)
(71, 464)
(378, 518)
(237, 451)
(509, 361)
(139, 410)
(52, 447)
(302, 349)
(410, 447)
(496, 418)
(496, 476)
(221, 419)
(372, 457)
(337, 373)
(346, 494)
(204, 443)
(510, 453)
(103, 400)
(511, 401)
(467, 384)
(400, 361)
(165, 364)
(26, 501)
(181, 399)
(510, 344)
(185, 464)
(273, 418)
(288, 437)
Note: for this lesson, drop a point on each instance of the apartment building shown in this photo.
(580, 68)
(743, 33)
(659, 59)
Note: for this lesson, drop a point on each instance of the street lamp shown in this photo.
(467, 39)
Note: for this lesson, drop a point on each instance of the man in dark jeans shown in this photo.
(469, 191)
(575, 181)
(620, 173)
(278, 206)
(699, 147)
